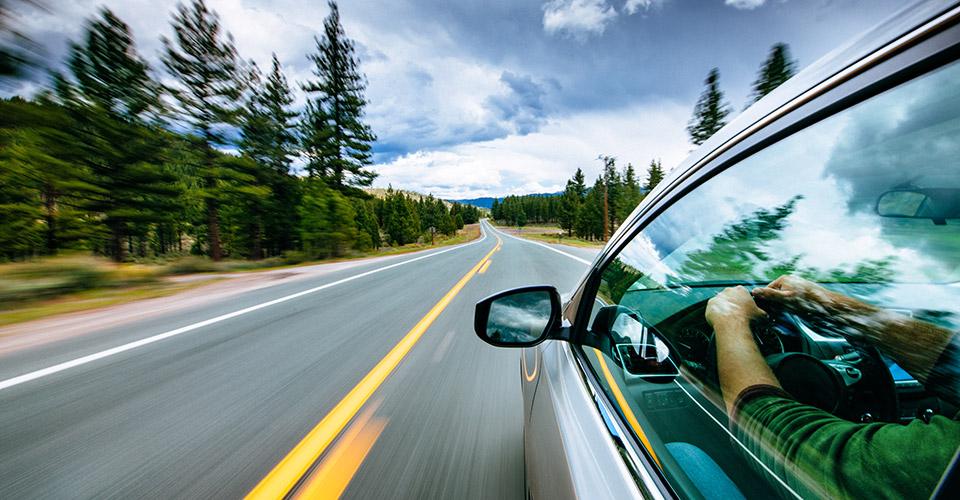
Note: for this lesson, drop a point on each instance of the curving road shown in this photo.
(366, 381)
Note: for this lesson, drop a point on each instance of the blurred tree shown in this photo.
(43, 184)
(366, 222)
(268, 138)
(211, 82)
(334, 138)
(327, 221)
(17, 51)
(777, 68)
(711, 111)
(114, 104)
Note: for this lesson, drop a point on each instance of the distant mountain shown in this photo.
(487, 202)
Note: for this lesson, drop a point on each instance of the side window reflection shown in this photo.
(809, 300)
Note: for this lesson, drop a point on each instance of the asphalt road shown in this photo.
(371, 377)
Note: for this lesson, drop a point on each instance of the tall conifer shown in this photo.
(710, 113)
(335, 140)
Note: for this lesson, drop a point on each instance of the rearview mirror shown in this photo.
(521, 317)
(936, 204)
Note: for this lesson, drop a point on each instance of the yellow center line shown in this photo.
(288, 472)
(624, 406)
(338, 467)
(485, 266)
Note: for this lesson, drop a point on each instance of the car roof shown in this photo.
(902, 22)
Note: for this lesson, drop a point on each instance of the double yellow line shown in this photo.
(286, 474)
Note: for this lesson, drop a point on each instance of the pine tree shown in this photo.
(778, 68)
(327, 227)
(631, 195)
(335, 140)
(115, 103)
(43, 183)
(569, 208)
(590, 223)
(268, 138)
(711, 111)
(612, 194)
(211, 82)
(580, 185)
(654, 175)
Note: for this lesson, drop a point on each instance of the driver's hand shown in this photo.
(733, 308)
(797, 294)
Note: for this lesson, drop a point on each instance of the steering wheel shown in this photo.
(855, 385)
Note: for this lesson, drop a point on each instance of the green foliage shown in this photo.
(590, 223)
(210, 84)
(334, 138)
(93, 166)
(327, 221)
(268, 139)
(654, 175)
(710, 113)
(776, 69)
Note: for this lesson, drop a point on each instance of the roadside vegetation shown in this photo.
(213, 163)
(75, 282)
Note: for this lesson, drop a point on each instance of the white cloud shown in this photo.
(542, 161)
(745, 4)
(577, 18)
(631, 7)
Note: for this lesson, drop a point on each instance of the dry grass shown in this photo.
(72, 283)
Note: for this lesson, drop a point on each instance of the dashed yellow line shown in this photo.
(339, 466)
(285, 475)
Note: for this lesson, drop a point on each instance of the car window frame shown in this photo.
(925, 48)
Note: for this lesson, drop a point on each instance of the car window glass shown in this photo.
(860, 215)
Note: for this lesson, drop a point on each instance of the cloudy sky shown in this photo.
(494, 97)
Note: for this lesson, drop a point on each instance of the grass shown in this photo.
(553, 234)
(71, 283)
(91, 299)
(562, 239)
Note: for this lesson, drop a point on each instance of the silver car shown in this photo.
(778, 317)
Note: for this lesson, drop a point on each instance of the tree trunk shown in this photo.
(256, 250)
(50, 218)
(116, 242)
(213, 229)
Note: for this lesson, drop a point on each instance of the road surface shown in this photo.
(367, 380)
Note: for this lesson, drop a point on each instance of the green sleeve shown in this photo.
(819, 454)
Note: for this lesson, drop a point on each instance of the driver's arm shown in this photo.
(739, 362)
(818, 454)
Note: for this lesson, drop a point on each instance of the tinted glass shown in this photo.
(866, 315)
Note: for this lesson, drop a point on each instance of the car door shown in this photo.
(856, 195)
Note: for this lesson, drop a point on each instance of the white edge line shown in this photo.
(544, 245)
(50, 370)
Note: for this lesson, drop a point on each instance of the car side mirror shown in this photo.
(521, 317)
(623, 335)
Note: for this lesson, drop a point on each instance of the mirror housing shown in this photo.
(519, 317)
(641, 352)
(936, 204)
